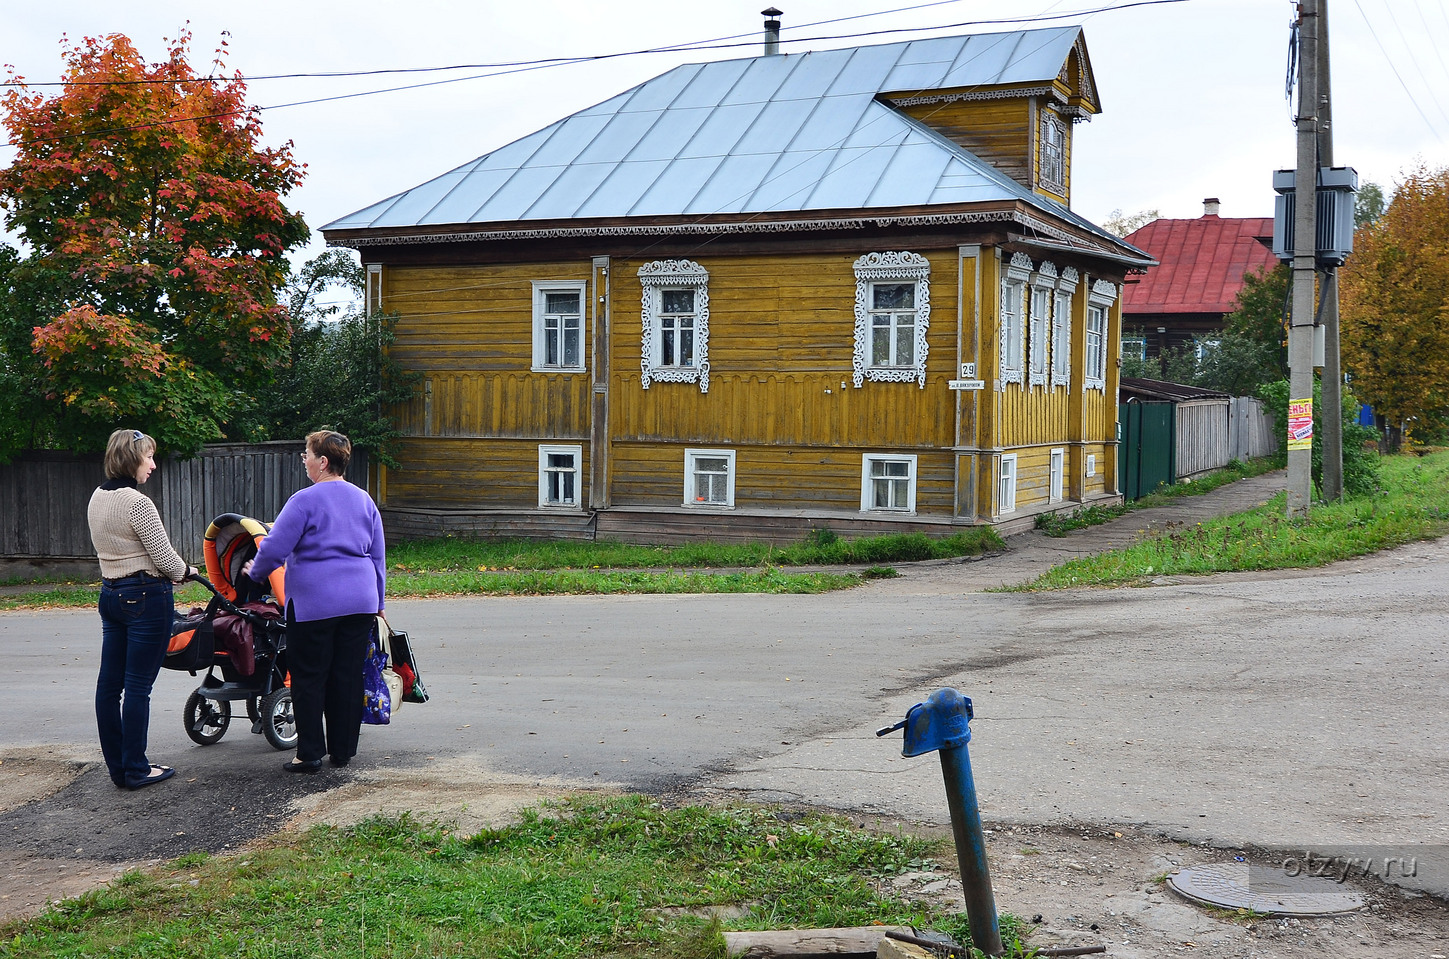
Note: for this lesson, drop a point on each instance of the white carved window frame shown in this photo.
(1052, 153)
(1039, 319)
(372, 292)
(1013, 318)
(656, 277)
(1100, 300)
(895, 267)
(1062, 327)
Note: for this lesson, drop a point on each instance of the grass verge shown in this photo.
(1060, 524)
(622, 878)
(474, 567)
(1413, 505)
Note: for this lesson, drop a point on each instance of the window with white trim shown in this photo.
(709, 478)
(1134, 345)
(1053, 165)
(1007, 497)
(1206, 347)
(1062, 328)
(559, 469)
(372, 293)
(1013, 318)
(892, 315)
(1039, 321)
(1056, 472)
(888, 483)
(558, 325)
(674, 346)
(1099, 300)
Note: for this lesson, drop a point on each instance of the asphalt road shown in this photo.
(1300, 709)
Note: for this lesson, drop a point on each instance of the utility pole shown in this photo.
(1305, 248)
(1332, 415)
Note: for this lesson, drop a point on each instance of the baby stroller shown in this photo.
(241, 634)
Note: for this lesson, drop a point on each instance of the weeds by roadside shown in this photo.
(455, 566)
(1060, 524)
(625, 877)
(1413, 504)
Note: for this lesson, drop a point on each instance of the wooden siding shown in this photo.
(472, 473)
(499, 404)
(767, 477)
(997, 131)
(781, 341)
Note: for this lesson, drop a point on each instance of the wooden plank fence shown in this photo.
(43, 495)
(1211, 433)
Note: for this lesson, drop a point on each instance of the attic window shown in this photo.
(1052, 165)
(675, 341)
(892, 314)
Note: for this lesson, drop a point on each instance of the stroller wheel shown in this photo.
(206, 719)
(278, 723)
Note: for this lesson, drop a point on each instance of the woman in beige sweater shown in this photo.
(138, 566)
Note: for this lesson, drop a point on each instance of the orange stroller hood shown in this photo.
(230, 541)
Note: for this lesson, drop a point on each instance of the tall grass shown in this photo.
(1413, 504)
(625, 877)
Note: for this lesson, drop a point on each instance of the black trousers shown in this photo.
(325, 658)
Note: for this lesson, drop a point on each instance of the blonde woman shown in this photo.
(138, 567)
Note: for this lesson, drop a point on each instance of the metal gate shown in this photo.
(1147, 454)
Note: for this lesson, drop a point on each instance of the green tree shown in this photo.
(1369, 205)
(1394, 306)
(155, 239)
(1121, 224)
(1258, 323)
(340, 373)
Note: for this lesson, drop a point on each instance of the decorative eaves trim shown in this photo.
(738, 226)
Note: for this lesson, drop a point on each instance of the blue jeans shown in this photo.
(135, 631)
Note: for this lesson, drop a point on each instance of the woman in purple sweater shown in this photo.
(329, 535)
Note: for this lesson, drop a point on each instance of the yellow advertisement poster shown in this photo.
(1300, 424)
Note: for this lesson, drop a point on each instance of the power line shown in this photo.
(1388, 59)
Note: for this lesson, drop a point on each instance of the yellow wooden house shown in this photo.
(747, 298)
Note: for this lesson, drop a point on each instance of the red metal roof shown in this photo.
(1201, 263)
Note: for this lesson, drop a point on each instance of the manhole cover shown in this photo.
(1238, 885)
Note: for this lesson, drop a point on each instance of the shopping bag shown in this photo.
(377, 698)
(404, 661)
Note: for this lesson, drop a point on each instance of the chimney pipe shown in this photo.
(1210, 206)
(772, 31)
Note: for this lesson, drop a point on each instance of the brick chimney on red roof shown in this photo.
(1210, 206)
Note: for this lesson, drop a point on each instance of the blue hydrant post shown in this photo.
(941, 723)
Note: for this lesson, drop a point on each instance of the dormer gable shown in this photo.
(1023, 127)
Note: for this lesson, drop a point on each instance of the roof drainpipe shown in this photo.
(772, 31)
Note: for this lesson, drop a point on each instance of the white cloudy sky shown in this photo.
(1192, 90)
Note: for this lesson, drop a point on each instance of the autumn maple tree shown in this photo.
(1394, 305)
(154, 243)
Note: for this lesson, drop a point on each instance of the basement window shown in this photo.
(888, 483)
(709, 478)
(558, 476)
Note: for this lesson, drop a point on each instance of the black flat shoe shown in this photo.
(296, 766)
(339, 763)
(157, 774)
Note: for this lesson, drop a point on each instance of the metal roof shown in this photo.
(1201, 263)
(770, 134)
